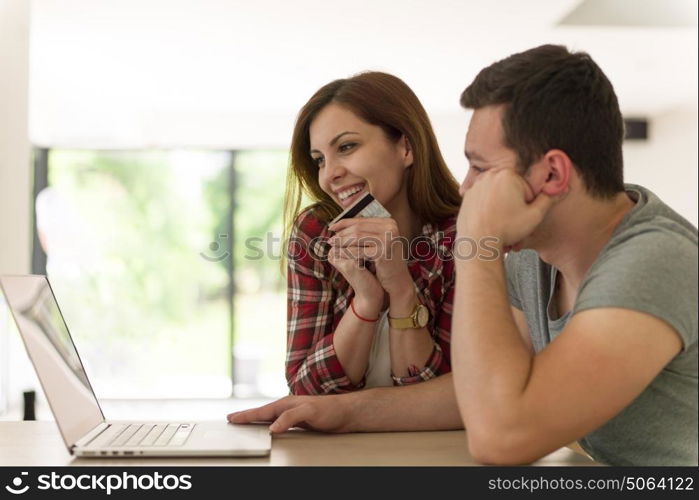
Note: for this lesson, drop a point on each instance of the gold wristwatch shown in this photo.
(417, 319)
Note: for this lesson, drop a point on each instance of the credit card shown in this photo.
(366, 206)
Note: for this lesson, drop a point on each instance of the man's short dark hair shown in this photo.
(556, 99)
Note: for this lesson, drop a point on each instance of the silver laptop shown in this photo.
(75, 407)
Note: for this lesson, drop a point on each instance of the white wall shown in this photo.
(451, 132)
(667, 162)
(15, 186)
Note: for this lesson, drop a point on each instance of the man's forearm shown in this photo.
(491, 363)
(425, 406)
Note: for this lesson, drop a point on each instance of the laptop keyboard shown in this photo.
(150, 435)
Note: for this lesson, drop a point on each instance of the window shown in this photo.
(166, 266)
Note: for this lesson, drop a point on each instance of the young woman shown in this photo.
(369, 299)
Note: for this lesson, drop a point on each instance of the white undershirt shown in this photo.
(378, 373)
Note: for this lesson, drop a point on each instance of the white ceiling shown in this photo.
(649, 13)
(155, 70)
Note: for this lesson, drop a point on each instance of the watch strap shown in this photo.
(402, 323)
(409, 322)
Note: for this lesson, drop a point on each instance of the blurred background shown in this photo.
(144, 147)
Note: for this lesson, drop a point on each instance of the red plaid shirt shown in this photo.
(318, 296)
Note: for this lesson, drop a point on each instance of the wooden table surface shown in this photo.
(39, 443)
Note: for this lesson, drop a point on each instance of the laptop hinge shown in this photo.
(87, 438)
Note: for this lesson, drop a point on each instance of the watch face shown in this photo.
(423, 315)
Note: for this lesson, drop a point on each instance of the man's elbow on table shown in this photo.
(493, 444)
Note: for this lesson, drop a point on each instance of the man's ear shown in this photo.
(406, 151)
(553, 173)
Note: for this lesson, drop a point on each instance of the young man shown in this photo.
(591, 334)
(598, 340)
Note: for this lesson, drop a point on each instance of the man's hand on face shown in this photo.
(500, 203)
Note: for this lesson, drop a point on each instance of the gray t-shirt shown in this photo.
(648, 265)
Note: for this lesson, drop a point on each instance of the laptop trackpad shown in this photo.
(231, 436)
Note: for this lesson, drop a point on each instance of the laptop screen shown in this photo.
(51, 349)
